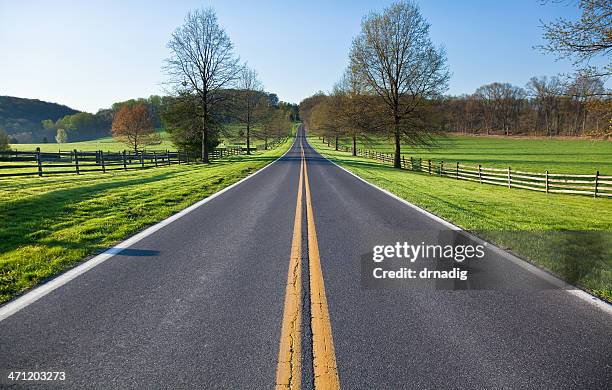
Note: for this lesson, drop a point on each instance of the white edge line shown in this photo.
(571, 289)
(35, 294)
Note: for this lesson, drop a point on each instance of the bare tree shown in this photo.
(395, 57)
(585, 38)
(546, 92)
(325, 119)
(274, 124)
(583, 90)
(202, 63)
(358, 113)
(502, 104)
(250, 97)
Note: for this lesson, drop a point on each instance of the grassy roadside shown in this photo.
(49, 224)
(571, 236)
(537, 155)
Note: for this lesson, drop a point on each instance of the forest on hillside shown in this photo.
(22, 118)
(32, 121)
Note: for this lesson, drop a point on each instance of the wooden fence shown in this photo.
(17, 163)
(567, 183)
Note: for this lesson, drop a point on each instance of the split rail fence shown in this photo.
(596, 185)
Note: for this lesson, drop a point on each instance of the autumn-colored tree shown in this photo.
(133, 126)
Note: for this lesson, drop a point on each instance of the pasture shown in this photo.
(565, 234)
(528, 154)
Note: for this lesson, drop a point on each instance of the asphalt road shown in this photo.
(200, 302)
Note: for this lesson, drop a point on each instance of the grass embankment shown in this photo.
(537, 155)
(49, 224)
(571, 236)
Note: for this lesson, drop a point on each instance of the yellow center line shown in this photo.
(324, 356)
(289, 369)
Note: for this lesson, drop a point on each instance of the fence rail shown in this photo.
(566, 183)
(37, 163)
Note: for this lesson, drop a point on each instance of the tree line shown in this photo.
(396, 78)
(166, 113)
(546, 106)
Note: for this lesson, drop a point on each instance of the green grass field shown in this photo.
(231, 138)
(49, 224)
(537, 155)
(105, 144)
(570, 236)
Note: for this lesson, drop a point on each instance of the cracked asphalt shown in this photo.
(199, 304)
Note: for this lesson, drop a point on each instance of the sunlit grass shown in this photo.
(539, 155)
(570, 236)
(48, 224)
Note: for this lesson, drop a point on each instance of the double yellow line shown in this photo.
(289, 368)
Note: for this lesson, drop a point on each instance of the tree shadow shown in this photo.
(26, 219)
(132, 252)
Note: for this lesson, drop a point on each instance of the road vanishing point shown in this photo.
(262, 286)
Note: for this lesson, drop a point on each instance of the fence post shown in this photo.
(155, 158)
(404, 161)
(429, 166)
(124, 161)
(76, 162)
(102, 161)
(457, 170)
(38, 162)
(441, 167)
(596, 183)
(509, 178)
(480, 173)
(168, 156)
(142, 159)
(547, 182)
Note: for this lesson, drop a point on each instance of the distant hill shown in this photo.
(21, 118)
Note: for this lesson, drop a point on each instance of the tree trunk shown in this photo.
(397, 159)
(248, 139)
(354, 145)
(205, 158)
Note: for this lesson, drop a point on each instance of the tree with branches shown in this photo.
(397, 61)
(133, 126)
(202, 63)
(248, 101)
(581, 40)
(4, 140)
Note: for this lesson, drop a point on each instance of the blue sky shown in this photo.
(88, 54)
